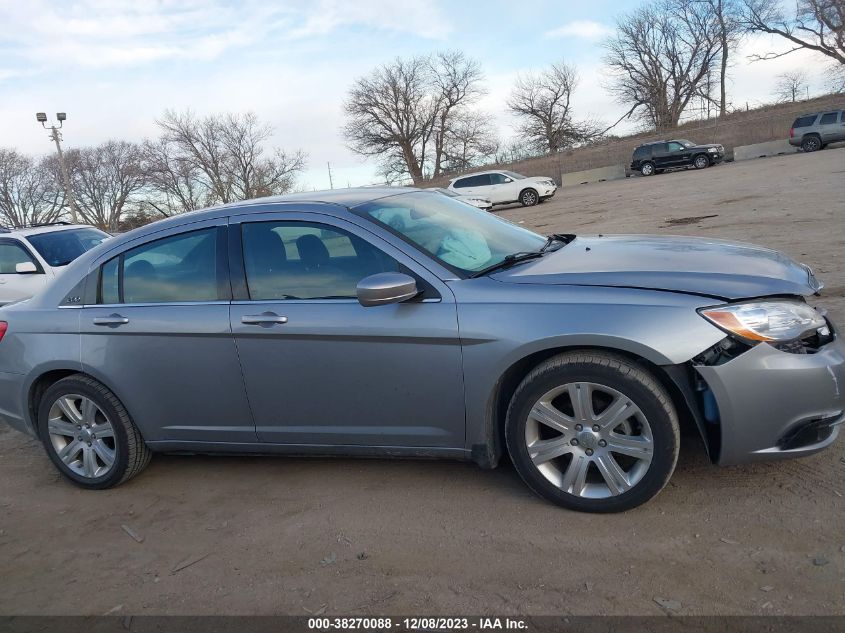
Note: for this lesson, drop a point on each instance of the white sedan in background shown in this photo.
(479, 202)
(31, 257)
(505, 187)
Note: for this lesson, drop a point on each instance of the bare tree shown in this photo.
(174, 185)
(30, 192)
(543, 103)
(816, 25)
(407, 109)
(220, 159)
(470, 141)
(791, 85)
(730, 31)
(105, 180)
(661, 57)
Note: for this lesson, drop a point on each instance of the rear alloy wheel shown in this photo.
(592, 431)
(88, 434)
(529, 198)
(647, 169)
(811, 144)
(701, 162)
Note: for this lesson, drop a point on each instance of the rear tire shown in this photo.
(89, 435)
(574, 454)
(647, 169)
(811, 143)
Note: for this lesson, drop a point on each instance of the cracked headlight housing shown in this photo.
(767, 320)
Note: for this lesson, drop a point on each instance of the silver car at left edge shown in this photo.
(404, 323)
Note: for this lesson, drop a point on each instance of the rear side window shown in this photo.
(461, 182)
(829, 118)
(12, 254)
(181, 268)
(804, 121)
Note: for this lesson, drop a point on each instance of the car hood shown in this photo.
(701, 266)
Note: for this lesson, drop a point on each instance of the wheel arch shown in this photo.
(50, 376)
(668, 377)
(529, 188)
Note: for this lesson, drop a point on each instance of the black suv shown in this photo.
(651, 158)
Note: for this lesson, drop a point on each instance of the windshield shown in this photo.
(686, 143)
(462, 237)
(514, 175)
(59, 248)
(446, 192)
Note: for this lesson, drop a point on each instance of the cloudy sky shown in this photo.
(114, 65)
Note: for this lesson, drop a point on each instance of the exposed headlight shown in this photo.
(766, 321)
(713, 150)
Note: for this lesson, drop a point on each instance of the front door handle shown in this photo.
(112, 319)
(267, 318)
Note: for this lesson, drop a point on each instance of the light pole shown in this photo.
(56, 136)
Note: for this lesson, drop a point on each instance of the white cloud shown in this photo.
(123, 33)
(585, 29)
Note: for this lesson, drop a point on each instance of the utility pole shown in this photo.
(331, 184)
(56, 136)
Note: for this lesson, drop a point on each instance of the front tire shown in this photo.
(592, 431)
(701, 162)
(528, 198)
(89, 435)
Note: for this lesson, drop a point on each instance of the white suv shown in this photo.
(31, 257)
(505, 187)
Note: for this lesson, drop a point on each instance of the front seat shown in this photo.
(312, 252)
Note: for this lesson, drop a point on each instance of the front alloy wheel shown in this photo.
(701, 162)
(607, 452)
(529, 198)
(593, 431)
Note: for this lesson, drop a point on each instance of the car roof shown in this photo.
(47, 228)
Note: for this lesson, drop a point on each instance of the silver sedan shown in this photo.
(404, 323)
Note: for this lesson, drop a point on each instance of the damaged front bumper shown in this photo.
(770, 404)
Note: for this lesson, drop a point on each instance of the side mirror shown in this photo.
(26, 268)
(384, 288)
(508, 179)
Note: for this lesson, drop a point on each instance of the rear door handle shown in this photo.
(267, 318)
(112, 319)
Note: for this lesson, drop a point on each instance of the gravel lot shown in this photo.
(298, 536)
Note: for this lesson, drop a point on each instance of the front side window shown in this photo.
(300, 260)
(499, 179)
(828, 118)
(675, 147)
(462, 237)
(59, 248)
(12, 254)
(177, 269)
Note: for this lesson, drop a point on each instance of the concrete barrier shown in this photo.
(600, 174)
(761, 150)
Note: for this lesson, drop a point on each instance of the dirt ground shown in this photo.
(343, 536)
